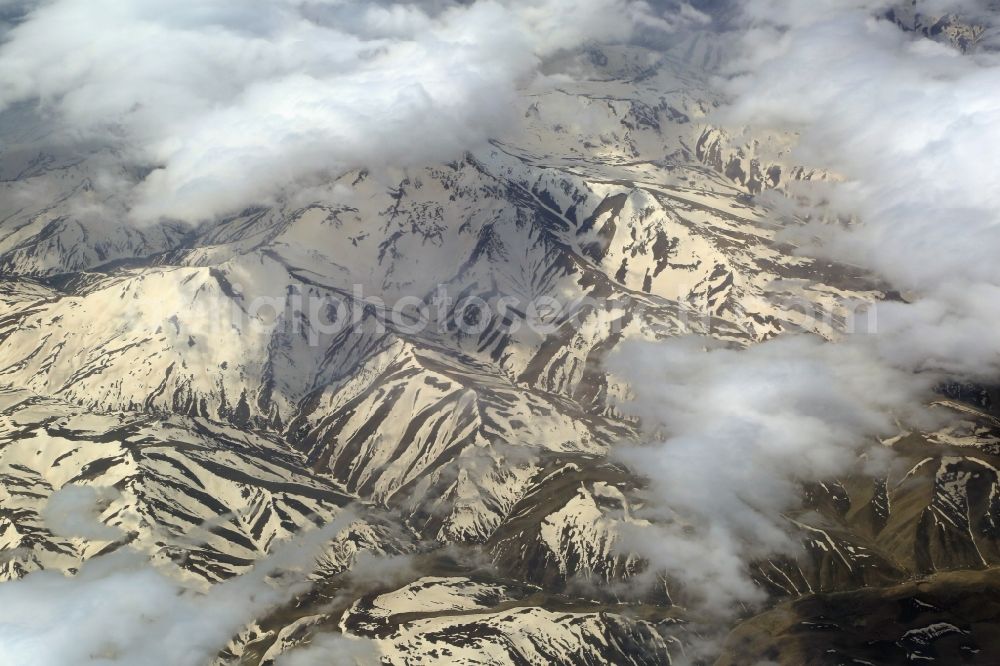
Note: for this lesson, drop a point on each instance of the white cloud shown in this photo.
(733, 433)
(120, 610)
(73, 511)
(228, 102)
(333, 650)
(913, 127)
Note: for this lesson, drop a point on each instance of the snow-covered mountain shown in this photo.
(240, 382)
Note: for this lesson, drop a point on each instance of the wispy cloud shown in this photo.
(119, 609)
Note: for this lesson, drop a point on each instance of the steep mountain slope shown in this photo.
(204, 499)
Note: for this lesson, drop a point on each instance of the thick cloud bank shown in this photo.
(912, 124)
(214, 105)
